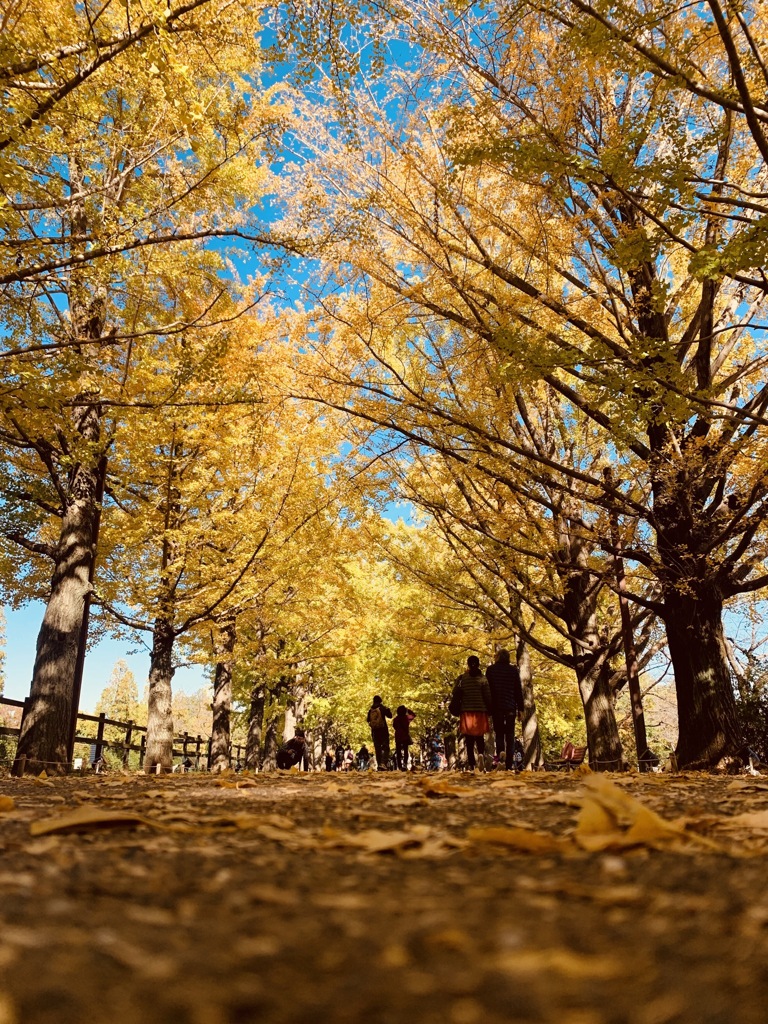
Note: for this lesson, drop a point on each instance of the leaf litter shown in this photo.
(542, 881)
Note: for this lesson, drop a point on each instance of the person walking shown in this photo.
(401, 725)
(378, 713)
(507, 704)
(472, 698)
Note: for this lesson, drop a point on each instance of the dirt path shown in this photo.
(442, 899)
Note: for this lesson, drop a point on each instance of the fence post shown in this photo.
(210, 749)
(198, 742)
(127, 741)
(20, 763)
(99, 742)
(142, 750)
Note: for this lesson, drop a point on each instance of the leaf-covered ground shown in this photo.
(444, 899)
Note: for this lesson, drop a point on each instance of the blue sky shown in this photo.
(22, 627)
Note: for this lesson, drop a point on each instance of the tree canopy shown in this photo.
(267, 273)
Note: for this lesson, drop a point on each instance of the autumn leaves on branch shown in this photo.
(529, 303)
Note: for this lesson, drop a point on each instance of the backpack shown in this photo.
(454, 706)
(376, 717)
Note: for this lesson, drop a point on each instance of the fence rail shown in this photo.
(192, 751)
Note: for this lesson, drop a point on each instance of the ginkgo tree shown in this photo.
(212, 503)
(131, 137)
(546, 192)
(529, 527)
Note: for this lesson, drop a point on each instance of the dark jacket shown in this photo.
(475, 692)
(293, 752)
(401, 725)
(387, 714)
(506, 691)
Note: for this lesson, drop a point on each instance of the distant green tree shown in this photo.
(120, 697)
(119, 701)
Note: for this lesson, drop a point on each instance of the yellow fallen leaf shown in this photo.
(351, 901)
(401, 800)
(39, 780)
(594, 819)
(376, 840)
(518, 838)
(442, 787)
(7, 803)
(612, 819)
(757, 820)
(84, 819)
(567, 963)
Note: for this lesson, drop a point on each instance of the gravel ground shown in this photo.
(453, 899)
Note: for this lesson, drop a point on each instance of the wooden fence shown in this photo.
(193, 752)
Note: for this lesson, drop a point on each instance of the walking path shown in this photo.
(383, 899)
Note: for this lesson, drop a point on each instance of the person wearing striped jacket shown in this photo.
(474, 694)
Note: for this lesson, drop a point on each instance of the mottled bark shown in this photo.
(255, 727)
(605, 750)
(221, 740)
(533, 756)
(290, 722)
(271, 744)
(706, 705)
(159, 752)
(591, 653)
(693, 617)
(45, 732)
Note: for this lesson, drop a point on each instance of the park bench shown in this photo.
(571, 757)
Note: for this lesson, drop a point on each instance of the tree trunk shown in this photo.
(605, 750)
(533, 756)
(45, 731)
(706, 705)
(271, 742)
(159, 752)
(255, 728)
(221, 743)
(591, 652)
(289, 722)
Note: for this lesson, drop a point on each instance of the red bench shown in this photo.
(570, 758)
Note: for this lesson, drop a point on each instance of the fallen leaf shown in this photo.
(7, 803)
(417, 841)
(351, 901)
(402, 800)
(611, 819)
(442, 788)
(39, 780)
(567, 963)
(756, 820)
(84, 819)
(518, 838)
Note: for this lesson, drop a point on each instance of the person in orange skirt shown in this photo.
(472, 695)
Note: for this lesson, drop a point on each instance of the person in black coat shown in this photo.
(294, 752)
(507, 699)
